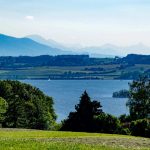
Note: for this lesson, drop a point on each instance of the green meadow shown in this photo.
(17, 139)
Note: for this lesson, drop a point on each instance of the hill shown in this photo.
(132, 59)
(12, 46)
(56, 140)
(74, 67)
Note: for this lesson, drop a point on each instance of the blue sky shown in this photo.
(84, 22)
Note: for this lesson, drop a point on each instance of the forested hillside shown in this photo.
(74, 67)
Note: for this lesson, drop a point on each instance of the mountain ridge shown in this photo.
(34, 45)
(13, 46)
(106, 50)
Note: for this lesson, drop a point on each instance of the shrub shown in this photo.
(124, 131)
(3, 109)
(140, 127)
(106, 123)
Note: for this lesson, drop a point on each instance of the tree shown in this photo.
(139, 99)
(82, 119)
(3, 109)
(28, 107)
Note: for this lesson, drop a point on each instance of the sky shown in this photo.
(78, 22)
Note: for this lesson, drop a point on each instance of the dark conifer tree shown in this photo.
(83, 118)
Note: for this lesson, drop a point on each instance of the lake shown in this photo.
(66, 94)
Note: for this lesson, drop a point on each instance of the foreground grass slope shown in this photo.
(34, 139)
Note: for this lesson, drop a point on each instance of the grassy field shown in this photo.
(110, 71)
(15, 139)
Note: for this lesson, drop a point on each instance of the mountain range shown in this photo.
(106, 50)
(33, 45)
(12, 46)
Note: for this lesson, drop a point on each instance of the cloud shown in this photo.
(29, 17)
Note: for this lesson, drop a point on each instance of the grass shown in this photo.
(15, 139)
(55, 71)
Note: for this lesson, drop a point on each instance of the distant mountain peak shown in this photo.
(50, 42)
(35, 36)
(12, 46)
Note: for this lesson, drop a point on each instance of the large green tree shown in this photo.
(139, 99)
(28, 107)
(83, 118)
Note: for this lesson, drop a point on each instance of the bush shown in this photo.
(124, 131)
(3, 109)
(56, 126)
(140, 127)
(106, 123)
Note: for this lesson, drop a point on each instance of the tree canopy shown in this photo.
(28, 107)
(82, 119)
(139, 100)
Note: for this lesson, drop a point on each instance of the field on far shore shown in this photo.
(109, 71)
(18, 139)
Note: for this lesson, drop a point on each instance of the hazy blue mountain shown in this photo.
(12, 46)
(113, 50)
(107, 50)
(139, 48)
(92, 51)
(50, 43)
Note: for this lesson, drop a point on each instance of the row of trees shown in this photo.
(46, 60)
(24, 106)
(121, 94)
(89, 116)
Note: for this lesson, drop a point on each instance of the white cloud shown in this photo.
(29, 17)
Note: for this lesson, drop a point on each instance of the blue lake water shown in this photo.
(66, 94)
